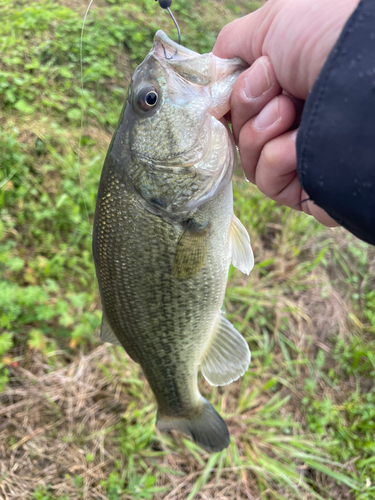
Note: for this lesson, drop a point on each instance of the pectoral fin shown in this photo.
(241, 253)
(228, 356)
(106, 332)
(192, 250)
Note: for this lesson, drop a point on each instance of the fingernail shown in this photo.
(268, 116)
(257, 81)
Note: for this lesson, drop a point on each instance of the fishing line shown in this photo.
(82, 111)
(81, 131)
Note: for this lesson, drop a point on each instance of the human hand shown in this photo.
(286, 42)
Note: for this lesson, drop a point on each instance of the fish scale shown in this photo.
(162, 265)
(137, 262)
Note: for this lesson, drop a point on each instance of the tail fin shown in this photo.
(207, 428)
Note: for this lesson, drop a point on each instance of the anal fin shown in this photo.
(241, 253)
(228, 356)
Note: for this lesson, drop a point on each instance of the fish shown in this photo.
(164, 235)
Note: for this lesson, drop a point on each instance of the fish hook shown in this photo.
(165, 4)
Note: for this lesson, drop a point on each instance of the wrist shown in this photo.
(337, 15)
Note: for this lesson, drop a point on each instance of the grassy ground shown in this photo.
(76, 417)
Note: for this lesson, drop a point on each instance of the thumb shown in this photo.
(243, 37)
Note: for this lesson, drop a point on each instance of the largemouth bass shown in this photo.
(165, 233)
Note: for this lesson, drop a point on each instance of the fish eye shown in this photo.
(147, 97)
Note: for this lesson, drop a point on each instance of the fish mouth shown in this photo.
(199, 69)
(191, 66)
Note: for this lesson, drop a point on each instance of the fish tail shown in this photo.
(206, 428)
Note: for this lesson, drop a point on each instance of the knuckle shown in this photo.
(226, 34)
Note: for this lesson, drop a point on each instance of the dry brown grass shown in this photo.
(52, 418)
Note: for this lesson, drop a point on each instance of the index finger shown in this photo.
(242, 38)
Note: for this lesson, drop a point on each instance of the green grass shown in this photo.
(78, 418)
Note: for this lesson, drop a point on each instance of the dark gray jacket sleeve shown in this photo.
(336, 139)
